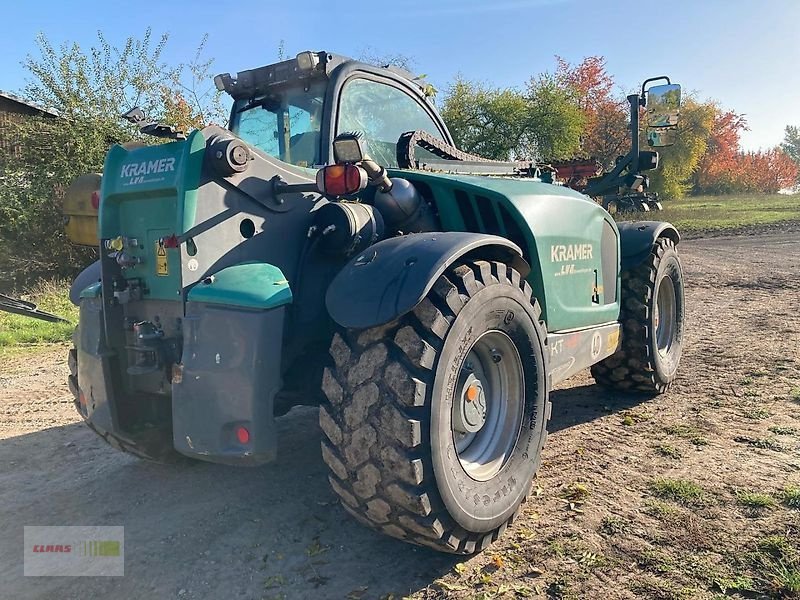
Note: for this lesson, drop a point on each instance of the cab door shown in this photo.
(382, 110)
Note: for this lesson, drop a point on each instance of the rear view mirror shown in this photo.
(663, 105)
(658, 137)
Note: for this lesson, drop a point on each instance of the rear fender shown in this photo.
(389, 279)
(85, 278)
(636, 239)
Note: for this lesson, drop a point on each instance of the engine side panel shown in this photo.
(571, 243)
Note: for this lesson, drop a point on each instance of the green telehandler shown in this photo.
(333, 248)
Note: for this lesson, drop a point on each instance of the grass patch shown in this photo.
(777, 430)
(577, 492)
(755, 500)
(668, 451)
(656, 561)
(783, 579)
(756, 413)
(50, 296)
(776, 545)
(728, 213)
(777, 563)
(678, 490)
(613, 525)
(763, 443)
(791, 496)
(688, 432)
(661, 510)
(655, 588)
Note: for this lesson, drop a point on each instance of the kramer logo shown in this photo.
(138, 172)
(565, 253)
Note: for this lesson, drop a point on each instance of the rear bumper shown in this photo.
(227, 379)
(230, 375)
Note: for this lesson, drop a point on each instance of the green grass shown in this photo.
(678, 490)
(50, 296)
(778, 430)
(755, 500)
(791, 496)
(776, 545)
(698, 214)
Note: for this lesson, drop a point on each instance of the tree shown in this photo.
(555, 118)
(489, 122)
(89, 90)
(716, 170)
(386, 59)
(502, 124)
(725, 169)
(606, 134)
(791, 145)
(679, 162)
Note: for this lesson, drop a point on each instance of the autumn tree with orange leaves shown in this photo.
(726, 169)
(606, 131)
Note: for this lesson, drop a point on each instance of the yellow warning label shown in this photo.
(162, 268)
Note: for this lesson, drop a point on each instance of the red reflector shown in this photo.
(82, 399)
(242, 435)
(170, 242)
(340, 180)
(95, 199)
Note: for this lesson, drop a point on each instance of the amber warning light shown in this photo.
(341, 180)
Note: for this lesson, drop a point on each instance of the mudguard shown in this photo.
(636, 238)
(391, 277)
(85, 278)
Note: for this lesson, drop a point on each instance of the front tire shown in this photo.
(652, 317)
(436, 422)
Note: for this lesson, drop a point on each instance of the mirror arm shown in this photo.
(642, 96)
(279, 186)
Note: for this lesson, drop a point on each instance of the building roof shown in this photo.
(16, 99)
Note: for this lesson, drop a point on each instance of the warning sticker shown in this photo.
(162, 268)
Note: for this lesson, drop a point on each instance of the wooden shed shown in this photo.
(13, 109)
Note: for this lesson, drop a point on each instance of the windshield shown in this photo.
(284, 124)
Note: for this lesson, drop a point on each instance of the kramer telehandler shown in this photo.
(334, 240)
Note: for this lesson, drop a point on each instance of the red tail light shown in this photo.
(242, 435)
(340, 180)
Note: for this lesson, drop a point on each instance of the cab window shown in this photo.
(382, 113)
(284, 124)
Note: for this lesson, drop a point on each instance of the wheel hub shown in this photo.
(665, 316)
(469, 413)
(488, 405)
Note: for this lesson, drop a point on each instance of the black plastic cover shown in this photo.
(636, 239)
(390, 278)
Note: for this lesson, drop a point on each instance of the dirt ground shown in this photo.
(636, 498)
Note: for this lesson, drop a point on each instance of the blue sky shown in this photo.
(743, 53)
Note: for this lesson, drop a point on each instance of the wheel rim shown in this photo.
(664, 318)
(488, 405)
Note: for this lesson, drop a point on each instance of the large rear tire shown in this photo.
(652, 316)
(436, 422)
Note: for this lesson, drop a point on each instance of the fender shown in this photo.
(85, 278)
(636, 238)
(390, 278)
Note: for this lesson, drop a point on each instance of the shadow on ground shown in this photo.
(582, 404)
(200, 530)
(208, 531)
